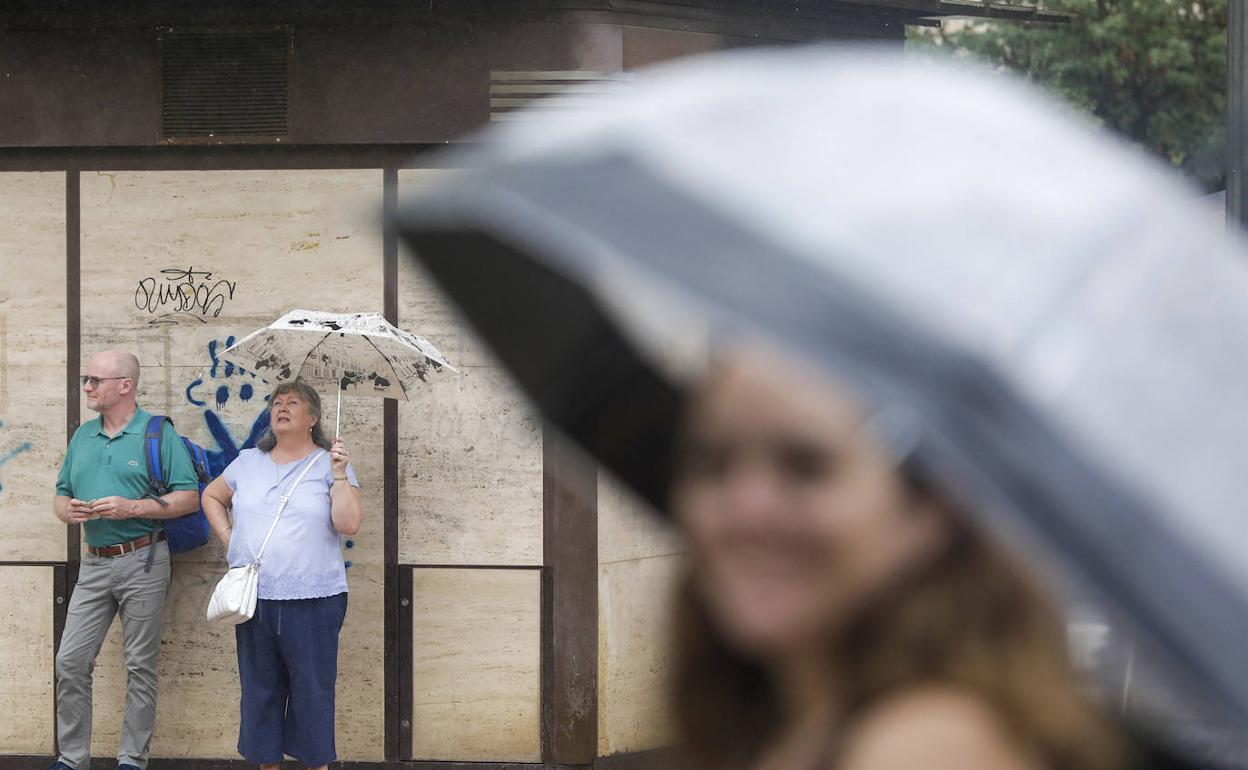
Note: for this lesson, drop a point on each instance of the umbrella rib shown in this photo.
(312, 350)
(386, 358)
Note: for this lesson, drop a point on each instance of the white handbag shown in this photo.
(234, 599)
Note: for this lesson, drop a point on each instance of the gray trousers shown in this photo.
(105, 587)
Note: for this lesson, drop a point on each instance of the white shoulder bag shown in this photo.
(234, 599)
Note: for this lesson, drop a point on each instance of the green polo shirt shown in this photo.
(97, 465)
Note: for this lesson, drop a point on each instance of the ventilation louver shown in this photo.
(514, 95)
(224, 85)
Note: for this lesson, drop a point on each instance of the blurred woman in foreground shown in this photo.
(841, 614)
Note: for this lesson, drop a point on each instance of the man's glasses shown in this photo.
(94, 381)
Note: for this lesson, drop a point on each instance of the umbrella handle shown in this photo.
(338, 415)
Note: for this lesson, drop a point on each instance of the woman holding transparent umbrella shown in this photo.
(288, 651)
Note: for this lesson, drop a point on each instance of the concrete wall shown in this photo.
(32, 361)
(470, 493)
(32, 441)
(250, 245)
(639, 565)
(262, 243)
(26, 649)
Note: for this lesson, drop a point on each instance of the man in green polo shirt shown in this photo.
(102, 486)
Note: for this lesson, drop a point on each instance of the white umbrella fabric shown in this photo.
(356, 353)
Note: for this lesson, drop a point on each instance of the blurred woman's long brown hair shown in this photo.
(970, 619)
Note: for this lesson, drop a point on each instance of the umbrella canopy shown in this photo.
(355, 353)
(1045, 315)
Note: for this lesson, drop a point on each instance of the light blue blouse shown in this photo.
(304, 557)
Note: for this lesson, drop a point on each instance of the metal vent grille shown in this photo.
(512, 94)
(224, 84)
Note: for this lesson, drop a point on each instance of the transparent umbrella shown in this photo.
(1045, 316)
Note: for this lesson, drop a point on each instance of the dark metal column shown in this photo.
(569, 604)
(64, 577)
(73, 337)
(397, 723)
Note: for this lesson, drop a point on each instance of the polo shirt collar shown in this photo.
(137, 424)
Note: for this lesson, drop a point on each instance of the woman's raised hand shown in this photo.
(339, 457)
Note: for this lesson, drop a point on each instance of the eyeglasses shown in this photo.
(95, 381)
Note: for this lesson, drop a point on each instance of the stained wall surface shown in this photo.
(32, 442)
(470, 493)
(476, 664)
(26, 649)
(640, 565)
(176, 265)
(32, 362)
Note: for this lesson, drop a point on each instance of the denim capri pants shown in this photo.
(287, 665)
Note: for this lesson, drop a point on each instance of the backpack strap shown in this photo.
(156, 483)
(199, 459)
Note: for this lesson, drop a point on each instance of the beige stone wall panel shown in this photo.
(422, 308)
(278, 240)
(197, 708)
(360, 730)
(476, 664)
(26, 649)
(634, 653)
(470, 463)
(32, 361)
(197, 704)
(32, 446)
(640, 562)
(470, 472)
(628, 529)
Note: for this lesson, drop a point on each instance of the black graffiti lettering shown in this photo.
(185, 292)
(179, 274)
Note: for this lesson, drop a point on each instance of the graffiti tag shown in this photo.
(183, 294)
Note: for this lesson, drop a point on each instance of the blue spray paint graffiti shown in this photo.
(9, 455)
(227, 447)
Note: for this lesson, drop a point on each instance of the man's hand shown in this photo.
(80, 511)
(114, 507)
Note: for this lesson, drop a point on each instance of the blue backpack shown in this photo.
(185, 533)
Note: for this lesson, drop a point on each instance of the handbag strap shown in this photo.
(286, 499)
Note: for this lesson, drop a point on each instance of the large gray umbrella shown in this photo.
(1048, 314)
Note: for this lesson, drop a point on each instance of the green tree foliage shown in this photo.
(1153, 70)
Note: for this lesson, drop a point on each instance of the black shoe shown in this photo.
(125, 766)
(59, 765)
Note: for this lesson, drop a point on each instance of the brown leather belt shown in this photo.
(120, 548)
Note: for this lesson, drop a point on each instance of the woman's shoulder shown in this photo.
(248, 459)
(934, 727)
(250, 455)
